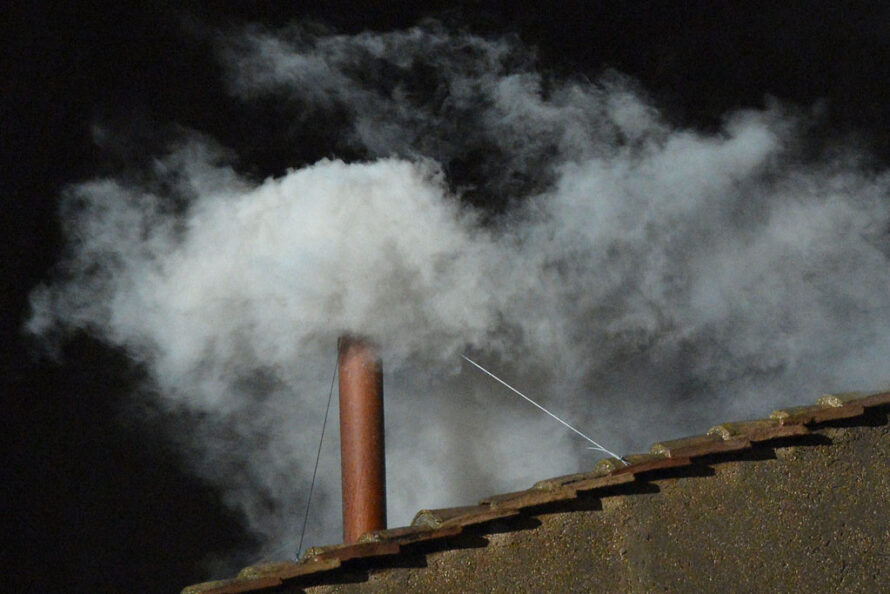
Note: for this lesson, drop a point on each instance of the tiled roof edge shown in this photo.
(608, 475)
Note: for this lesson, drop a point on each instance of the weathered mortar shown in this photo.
(812, 517)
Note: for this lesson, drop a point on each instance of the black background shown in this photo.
(94, 499)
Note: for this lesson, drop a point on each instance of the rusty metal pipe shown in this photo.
(361, 437)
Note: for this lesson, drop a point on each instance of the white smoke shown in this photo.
(640, 279)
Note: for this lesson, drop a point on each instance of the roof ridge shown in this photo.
(608, 477)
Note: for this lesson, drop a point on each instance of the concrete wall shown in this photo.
(812, 517)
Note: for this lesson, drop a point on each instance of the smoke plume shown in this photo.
(641, 279)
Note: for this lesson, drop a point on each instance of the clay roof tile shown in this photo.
(530, 498)
(347, 552)
(459, 516)
(285, 570)
(233, 586)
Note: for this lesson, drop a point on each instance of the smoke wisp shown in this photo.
(641, 279)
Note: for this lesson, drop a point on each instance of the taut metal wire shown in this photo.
(596, 446)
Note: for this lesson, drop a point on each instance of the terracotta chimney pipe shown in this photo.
(361, 437)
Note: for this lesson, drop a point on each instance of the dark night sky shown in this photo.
(93, 499)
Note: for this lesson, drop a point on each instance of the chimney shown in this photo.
(361, 437)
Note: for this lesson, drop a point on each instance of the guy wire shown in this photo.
(597, 446)
(317, 458)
